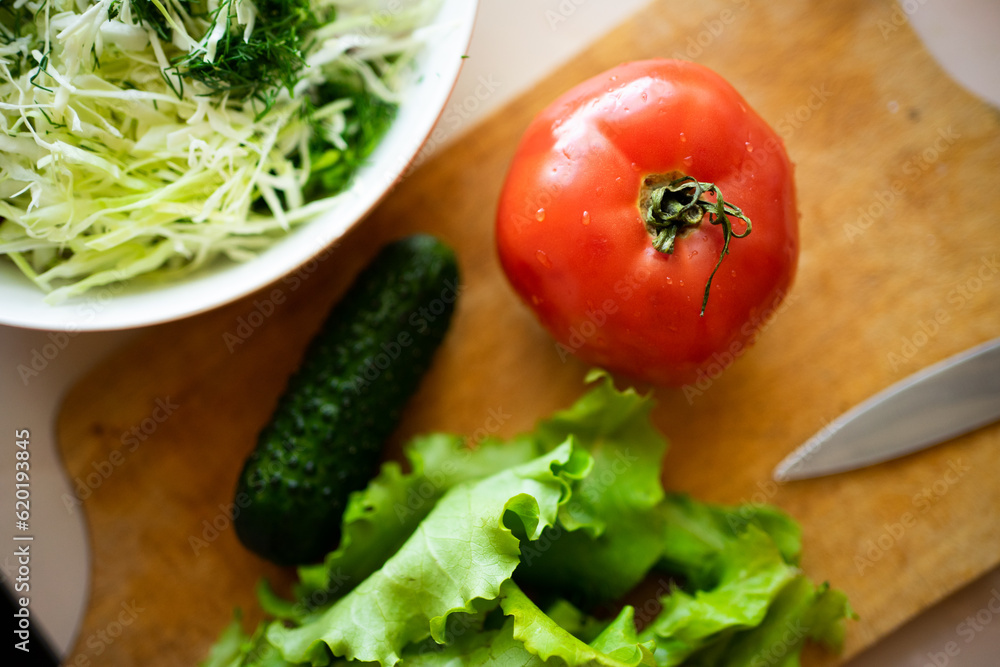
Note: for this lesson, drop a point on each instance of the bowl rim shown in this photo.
(118, 307)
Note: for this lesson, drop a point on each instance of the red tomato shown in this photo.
(575, 229)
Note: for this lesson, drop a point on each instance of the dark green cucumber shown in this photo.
(326, 436)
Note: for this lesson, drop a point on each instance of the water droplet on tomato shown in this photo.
(643, 96)
(669, 280)
(733, 273)
(749, 147)
(681, 283)
(683, 138)
(586, 217)
(600, 190)
(540, 214)
(688, 161)
(543, 259)
(692, 254)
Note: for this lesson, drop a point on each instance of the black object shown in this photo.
(39, 653)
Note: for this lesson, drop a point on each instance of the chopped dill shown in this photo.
(42, 65)
(260, 66)
(150, 16)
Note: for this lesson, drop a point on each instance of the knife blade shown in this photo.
(938, 403)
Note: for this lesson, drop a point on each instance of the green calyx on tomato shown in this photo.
(645, 152)
(670, 208)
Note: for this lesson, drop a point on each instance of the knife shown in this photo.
(940, 402)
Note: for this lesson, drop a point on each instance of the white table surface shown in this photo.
(548, 33)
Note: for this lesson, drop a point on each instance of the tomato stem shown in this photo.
(678, 204)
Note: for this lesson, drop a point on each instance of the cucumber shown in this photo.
(326, 435)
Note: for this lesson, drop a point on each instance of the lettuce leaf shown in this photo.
(445, 564)
(381, 517)
(493, 648)
(463, 551)
(696, 535)
(235, 648)
(800, 612)
(616, 646)
(751, 573)
(746, 599)
(609, 534)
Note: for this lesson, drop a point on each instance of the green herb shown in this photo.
(259, 66)
(150, 14)
(335, 160)
(14, 22)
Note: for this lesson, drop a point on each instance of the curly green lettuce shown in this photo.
(494, 555)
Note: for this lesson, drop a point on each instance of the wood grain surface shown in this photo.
(897, 172)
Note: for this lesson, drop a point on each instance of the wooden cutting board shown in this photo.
(897, 178)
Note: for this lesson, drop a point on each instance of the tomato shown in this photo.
(611, 167)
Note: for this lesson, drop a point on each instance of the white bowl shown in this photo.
(126, 306)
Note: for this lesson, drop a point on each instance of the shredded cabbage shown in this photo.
(125, 152)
